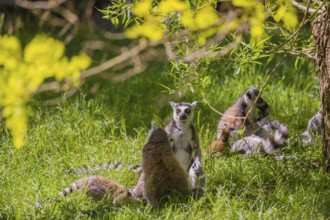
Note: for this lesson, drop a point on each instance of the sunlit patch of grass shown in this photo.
(112, 125)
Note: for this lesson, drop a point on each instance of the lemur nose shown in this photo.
(183, 117)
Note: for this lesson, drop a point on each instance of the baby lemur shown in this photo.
(162, 172)
(185, 143)
(235, 117)
(98, 188)
(269, 138)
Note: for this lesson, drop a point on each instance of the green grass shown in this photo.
(112, 125)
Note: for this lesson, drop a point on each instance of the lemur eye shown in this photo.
(187, 111)
(178, 110)
(260, 100)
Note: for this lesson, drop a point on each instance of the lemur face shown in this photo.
(250, 96)
(183, 111)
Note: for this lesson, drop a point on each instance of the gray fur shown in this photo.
(314, 127)
(92, 170)
(233, 118)
(184, 141)
(273, 138)
(98, 188)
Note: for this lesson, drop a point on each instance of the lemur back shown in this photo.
(184, 141)
(162, 172)
(314, 127)
(234, 117)
(272, 137)
(98, 188)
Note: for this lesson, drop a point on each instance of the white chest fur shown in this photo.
(181, 143)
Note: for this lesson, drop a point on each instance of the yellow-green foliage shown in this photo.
(22, 71)
(204, 20)
(284, 12)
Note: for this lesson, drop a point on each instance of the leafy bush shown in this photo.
(22, 71)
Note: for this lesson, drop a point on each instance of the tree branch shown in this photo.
(201, 53)
(123, 57)
(304, 8)
(62, 99)
(116, 60)
(46, 5)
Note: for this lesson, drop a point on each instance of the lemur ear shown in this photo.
(248, 94)
(254, 89)
(172, 104)
(194, 104)
(154, 125)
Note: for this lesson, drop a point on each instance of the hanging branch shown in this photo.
(202, 53)
(306, 9)
(45, 5)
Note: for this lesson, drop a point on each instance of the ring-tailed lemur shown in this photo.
(234, 117)
(314, 127)
(261, 128)
(98, 188)
(185, 143)
(272, 137)
(162, 172)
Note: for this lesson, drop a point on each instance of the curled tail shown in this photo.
(98, 188)
(278, 140)
(108, 165)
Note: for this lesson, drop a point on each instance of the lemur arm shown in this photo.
(196, 150)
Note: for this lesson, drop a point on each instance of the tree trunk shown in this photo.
(321, 32)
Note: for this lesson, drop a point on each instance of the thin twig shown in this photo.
(305, 20)
(298, 53)
(305, 52)
(216, 111)
(202, 53)
(264, 85)
(62, 99)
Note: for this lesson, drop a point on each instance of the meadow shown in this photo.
(111, 124)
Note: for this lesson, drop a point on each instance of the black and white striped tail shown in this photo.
(71, 189)
(91, 170)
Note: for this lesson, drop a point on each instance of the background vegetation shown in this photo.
(105, 121)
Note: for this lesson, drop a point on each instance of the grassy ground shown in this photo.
(112, 125)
